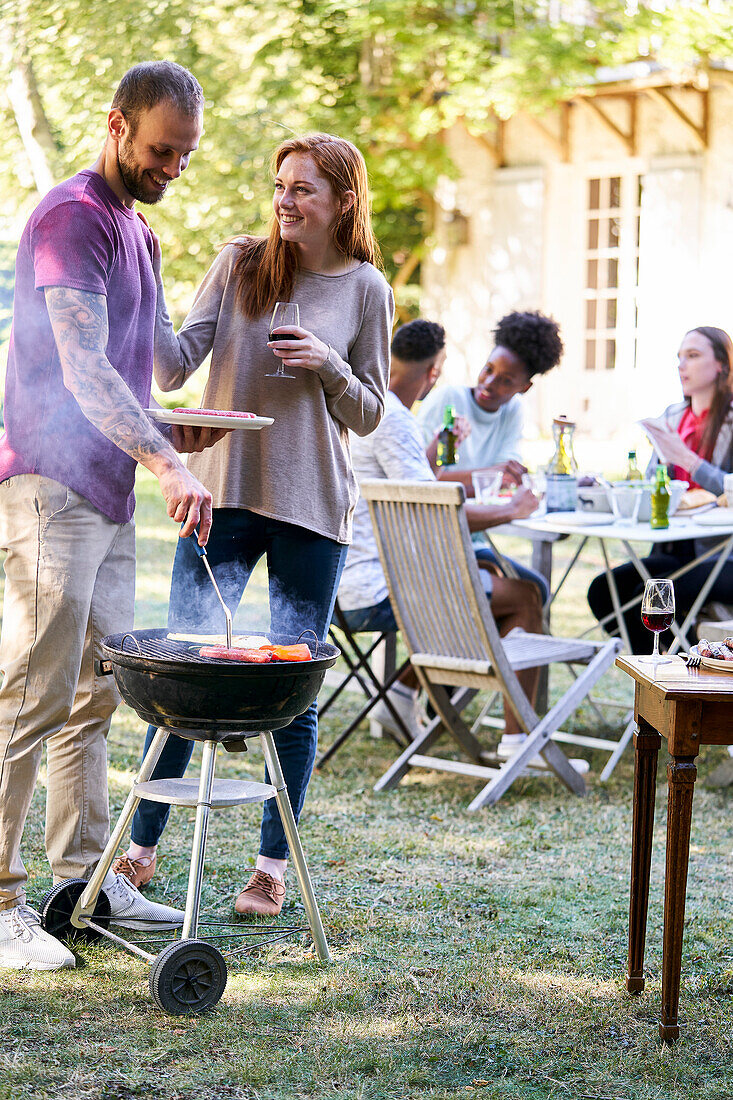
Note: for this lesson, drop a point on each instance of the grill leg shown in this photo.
(198, 848)
(88, 900)
(296, 848)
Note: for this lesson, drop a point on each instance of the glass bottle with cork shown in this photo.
(447, 452)
(633, 473)
(561, 492)
(660, 499)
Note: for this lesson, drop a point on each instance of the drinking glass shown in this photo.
(538, 484)
(284, 315)
(626, 502)
(486, 485)
(728, 489)
(657, 614)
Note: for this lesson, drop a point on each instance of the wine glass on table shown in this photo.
(285, 315)
(657, 614)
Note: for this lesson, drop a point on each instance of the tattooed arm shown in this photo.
(80, 328)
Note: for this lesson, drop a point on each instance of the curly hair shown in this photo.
(418, 340)
(533, 337)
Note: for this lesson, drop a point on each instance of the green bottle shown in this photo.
(660, 499)
(633, 473)
(447, 455)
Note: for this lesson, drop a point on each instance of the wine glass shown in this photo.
(538, 484)
(284, 315)
(657, 614)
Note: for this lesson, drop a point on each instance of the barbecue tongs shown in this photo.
(201, 551)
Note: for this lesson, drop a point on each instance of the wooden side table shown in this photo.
(690, 708)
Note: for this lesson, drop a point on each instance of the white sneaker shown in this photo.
(25, 945)
(509, 744)
(407, 705)
(130, 909)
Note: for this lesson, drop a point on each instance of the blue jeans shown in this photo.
(380, 616)
(303, 570)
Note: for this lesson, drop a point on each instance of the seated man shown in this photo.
(526, 344)
(395, 451)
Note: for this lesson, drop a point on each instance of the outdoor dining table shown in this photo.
(689, 708)
(545, 530)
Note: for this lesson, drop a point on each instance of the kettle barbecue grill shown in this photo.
(220, 702)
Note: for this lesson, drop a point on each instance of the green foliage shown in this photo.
(391, 75)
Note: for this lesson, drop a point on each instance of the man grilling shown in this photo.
(78, 381)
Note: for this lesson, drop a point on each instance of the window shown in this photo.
(611, 270)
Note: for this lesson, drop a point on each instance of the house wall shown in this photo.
(524, 241)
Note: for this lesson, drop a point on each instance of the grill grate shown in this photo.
(167, 649)
(164, 649)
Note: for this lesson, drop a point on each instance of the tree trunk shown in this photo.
(32, 123)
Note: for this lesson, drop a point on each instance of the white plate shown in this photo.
(200, 419)
(710, 662)
(242, 641)
(718, 517)
(580, 519)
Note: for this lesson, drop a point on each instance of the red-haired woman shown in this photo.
(697, 435)
(287, 492)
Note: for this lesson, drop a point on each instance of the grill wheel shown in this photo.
(188, 976)
(58, 904)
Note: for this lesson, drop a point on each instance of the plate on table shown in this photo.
(580, 519)
(210, 418)
(718, 517)
(710, 662)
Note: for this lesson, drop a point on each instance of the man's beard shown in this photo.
(133, 177)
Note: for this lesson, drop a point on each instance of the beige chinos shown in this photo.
(69, 581)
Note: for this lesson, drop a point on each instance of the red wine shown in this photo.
(283, 336)
(656, 621)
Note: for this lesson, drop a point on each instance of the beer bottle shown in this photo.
(447, 455)
(562, 473)
(633, 473)
(660, 499)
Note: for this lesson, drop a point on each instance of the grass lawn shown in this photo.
(475, 955)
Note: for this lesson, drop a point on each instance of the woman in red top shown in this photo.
(697, 435)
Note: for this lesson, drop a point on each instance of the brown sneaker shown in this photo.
(139, 871)
(263, 896)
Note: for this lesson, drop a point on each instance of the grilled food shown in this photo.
(263, 655)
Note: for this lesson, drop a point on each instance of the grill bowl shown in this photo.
(169, 685)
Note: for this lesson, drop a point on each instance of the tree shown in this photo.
(391, 75)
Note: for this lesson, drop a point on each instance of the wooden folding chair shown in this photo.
(453, 641)
(373, 682)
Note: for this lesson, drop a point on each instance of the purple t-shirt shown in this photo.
(80, 236)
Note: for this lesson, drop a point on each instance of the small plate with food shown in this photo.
(715, 655)
(210, 418)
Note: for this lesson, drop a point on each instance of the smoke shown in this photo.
(291, 613)
(195, 609)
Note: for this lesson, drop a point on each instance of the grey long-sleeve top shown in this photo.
(299, 469)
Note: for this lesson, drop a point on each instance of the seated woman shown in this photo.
(698, 438)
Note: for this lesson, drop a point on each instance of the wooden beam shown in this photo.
(633, 104)
(556, 142)
(628, 137)
(501, 128)
(690, 77)
(495, 142)
(566, 131)
(701, 130)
